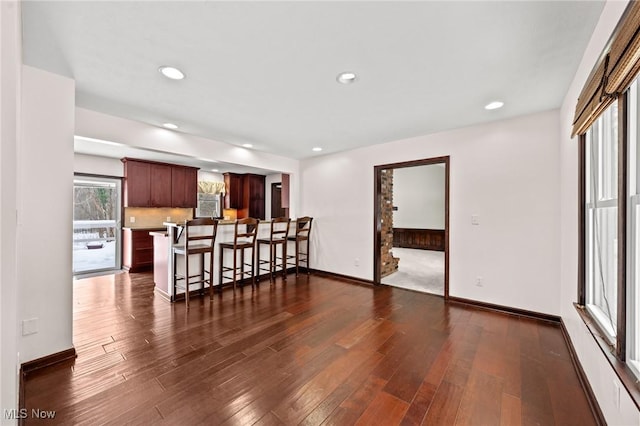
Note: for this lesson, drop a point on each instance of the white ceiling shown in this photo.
(265, 72)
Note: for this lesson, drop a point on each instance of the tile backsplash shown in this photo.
(146, 217)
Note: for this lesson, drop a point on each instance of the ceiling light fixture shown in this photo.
(215, 170)
(171, 72)
(316, 149)
(247, 145)
(494, 105)
(170, 126)
(346, 77)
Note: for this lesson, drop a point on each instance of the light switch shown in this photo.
(475, 219)
(132, 219)
(29, 326)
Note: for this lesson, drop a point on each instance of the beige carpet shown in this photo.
(420, 270)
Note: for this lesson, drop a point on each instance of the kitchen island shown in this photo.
(163, 252)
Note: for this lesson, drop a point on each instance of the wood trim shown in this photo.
(93, 175)
(377, 237)
(621, 332)
(582, 188)
(423, 239)
(620, 368)
(377, 225)
(48, 360)
(506, 309)
(413, 163)
(582, 377)
(125, 159)
(343, 278)
(447, 172)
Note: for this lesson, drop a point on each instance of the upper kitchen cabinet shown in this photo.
(161, 185)
(152, 184)
(234, 185)
(184, 186)
(245, 192)
(253, 197)
(137, 183)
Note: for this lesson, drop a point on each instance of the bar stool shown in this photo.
(200, 241)
(303, 232)
(244, 237)
(277, 237)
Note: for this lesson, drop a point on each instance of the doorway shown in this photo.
(276, 201)
(411, 225)
(96, 224)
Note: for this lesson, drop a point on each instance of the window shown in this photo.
(633, 230)
(607, 118)
(601, 227)
(611, 230)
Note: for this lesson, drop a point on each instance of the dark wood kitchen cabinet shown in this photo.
(153, 184)
(137, 249)
(253, 196)
(245, 192)
(137, 183)
(161, 191)
(184, 186)
(233, 183)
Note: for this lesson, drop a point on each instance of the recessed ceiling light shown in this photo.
(171, 72)
(170, 126)
(316, 149)
(247, 145)
(494, 105)
(215, 170)
(346, 77)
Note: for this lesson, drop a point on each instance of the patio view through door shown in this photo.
(96, 224)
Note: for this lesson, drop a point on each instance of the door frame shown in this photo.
(120, 212)
(377, 221)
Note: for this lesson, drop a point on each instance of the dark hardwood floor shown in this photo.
(309, 351)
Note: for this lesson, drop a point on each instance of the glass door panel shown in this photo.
(96, 224)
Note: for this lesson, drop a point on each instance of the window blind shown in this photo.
(613, 73)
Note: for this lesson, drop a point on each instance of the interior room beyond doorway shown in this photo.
(413, 223)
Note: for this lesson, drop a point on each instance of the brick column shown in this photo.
(389, 264)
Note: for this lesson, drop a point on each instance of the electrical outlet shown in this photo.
(29, 326)
(356, 262)
(479, 282)
(132, 219)
(168, 218)
(475, 219)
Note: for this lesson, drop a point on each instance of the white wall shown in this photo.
(419, 195)
(45, 199)
(10, 63)
(506, 172)
(95, 165)
(600, 374)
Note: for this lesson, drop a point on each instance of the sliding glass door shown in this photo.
(96, 224)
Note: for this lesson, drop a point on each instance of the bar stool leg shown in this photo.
(307, 257)
(272, 261)
(220, 268)
(258, 279)
(284, 260)
(297, 256)
(186, 279)
(235, 268)
(253, 266)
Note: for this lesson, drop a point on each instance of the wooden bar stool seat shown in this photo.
(198, 241)
(301, 239)
(244, 237)
(277, 237)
